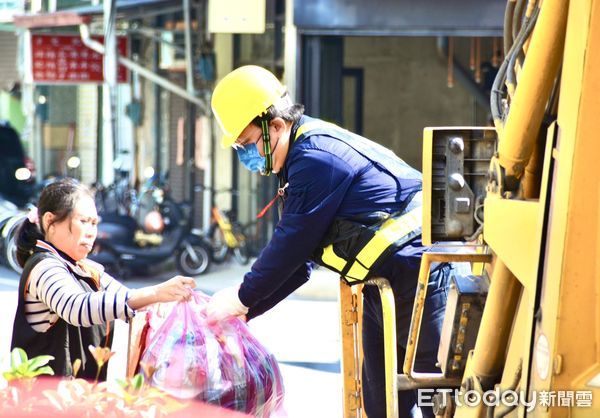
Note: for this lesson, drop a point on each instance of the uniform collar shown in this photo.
(282, 175)
(294, 130)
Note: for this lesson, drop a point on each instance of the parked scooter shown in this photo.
(10, 218)
(117, 248)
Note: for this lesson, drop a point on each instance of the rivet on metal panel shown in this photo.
(456, 181)
(456, 145)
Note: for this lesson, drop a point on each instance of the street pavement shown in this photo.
(302, 332)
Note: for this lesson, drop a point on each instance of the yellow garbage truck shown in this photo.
(521, 335)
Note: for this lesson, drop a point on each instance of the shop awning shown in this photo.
(83, 15)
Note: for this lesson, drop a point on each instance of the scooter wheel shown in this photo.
(240, 254)
(192, 260)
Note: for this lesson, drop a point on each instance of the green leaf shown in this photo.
(22, 370)
(122, 383)
(42, 370)
(39, 361)
(9, 376)
(17, 357)
(138, 381)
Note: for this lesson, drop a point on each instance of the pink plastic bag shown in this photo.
(219, 363)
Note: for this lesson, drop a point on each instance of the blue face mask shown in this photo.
(250, 157)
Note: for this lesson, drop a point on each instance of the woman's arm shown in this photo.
(177, 288)
(52, 284)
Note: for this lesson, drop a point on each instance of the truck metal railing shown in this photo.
(351, 327)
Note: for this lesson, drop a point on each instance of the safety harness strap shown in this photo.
(393, 234)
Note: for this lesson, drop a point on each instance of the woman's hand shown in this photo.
(175, 289)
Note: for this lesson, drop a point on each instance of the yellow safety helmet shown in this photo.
(242, 95)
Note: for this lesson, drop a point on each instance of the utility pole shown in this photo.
(191, 108)
(109, 95)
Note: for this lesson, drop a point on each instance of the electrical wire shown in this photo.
(527, 29)
(497, 100)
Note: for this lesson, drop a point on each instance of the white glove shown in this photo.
(224, 304)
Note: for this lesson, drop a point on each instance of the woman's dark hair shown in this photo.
(59, 198)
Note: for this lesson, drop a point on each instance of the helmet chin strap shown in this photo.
(264, 123)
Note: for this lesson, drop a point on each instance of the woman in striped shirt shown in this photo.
(67, 302)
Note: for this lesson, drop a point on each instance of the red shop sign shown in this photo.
(65, 59)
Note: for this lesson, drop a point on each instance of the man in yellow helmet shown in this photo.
(348, 204)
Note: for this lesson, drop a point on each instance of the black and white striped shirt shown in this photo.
(53, 293)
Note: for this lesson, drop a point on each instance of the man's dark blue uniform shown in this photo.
(330, 179)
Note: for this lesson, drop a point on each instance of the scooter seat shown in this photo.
(164, 250)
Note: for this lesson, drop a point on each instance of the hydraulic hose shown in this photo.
(496, 94)
(508, 19)
(518, 56)
(517, 17)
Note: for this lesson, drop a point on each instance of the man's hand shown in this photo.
(224, 304)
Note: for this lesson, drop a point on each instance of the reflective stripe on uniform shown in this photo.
(356, 272)
(390, 232)
(330, 258)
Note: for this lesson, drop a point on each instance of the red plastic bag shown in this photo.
(219, 363)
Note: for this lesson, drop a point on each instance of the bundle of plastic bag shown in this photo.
(219, 363)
